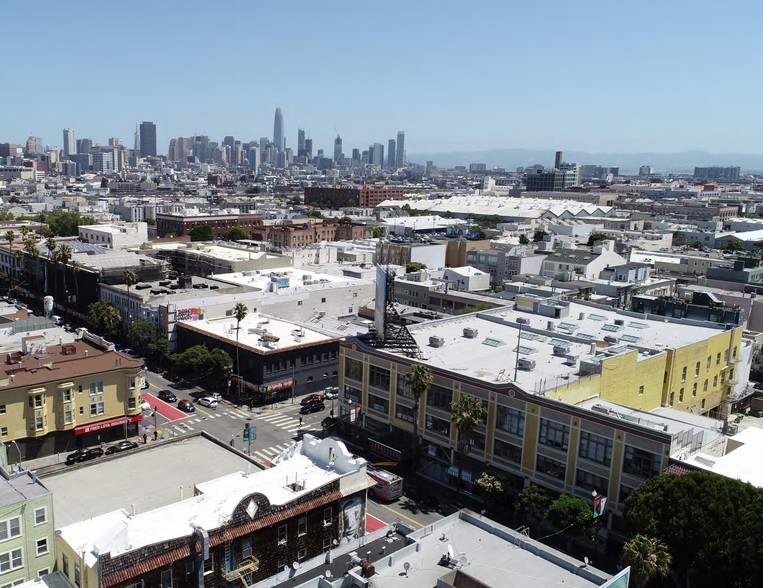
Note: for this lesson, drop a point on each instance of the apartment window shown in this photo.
(35, 401)
(301, 526)
(715, 381)
(439, 397)
(694, 389)
(589, 481)
(11, 560)
(643, 464)
(378, 377)
(641, 390)
(281, 562)
(14, 583)
(77, 580)
(726, 356)
(734, 354)
(167, 578)
(595, 448)
(507, 451)
(476, 400)
(625, 491)
(439, 426)
(352, 393)
(97, 408)
(378, 404)
(672, 398)
(680, 396)
(68, 416)
(403, 387)
(703, 403)
(131, 403)
(43, 572)
(327, 515)
(282, 535)
(66, 395)
(478, 440)
(246, 548)
(704, 386)
(709, 360)
(683, 374)
(10, 528)
(2, 409)
(353, 369)
(209, 564)
(718, 359)
(550, 467)
(404, 413)
(65, 564)
(96, 388)
(302, 555)
(3, 431)
(510, 420)
(40, 516)
(696, 369)
(41, 546)
(39, 423)
(326, 545)
(554, 434)
(81, 410)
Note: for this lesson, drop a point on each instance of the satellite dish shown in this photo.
(450, 551)
(406, 567)
(328, 573)
(295, 565)
(585, 560)
(462, 561)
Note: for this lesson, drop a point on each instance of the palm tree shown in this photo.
(10, 236)
(76, 267)
(33, 252)
(50, 243)
(19, 261)
(647, 558)
(467, 413)
(65, 254)
(419, 380)
(239, 312)
(130, 278)
(24, 232)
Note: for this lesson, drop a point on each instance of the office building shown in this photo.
(254, 158)
(279, 139)
(362, 196)
(338, 156)
(723, 174)
(300, 142)
(70, 146)
(376, 154)
(147, 139)
(400, 149)
(34, 146)
(645, 170)
(391, 155)
(309, 149)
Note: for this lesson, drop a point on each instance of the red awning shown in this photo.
(106, 424)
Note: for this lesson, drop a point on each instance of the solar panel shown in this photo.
(569, 326)
(636, 325)
(493, 342)
(630, 338)
(523, 349)
(586, 336)
(530, 336)
(559, 342)
(597, 317)
(611, 327)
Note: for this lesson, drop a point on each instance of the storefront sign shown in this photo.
(107, 424)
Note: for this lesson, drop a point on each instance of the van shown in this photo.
(57, 319)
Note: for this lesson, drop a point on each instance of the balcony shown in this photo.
(246, 566)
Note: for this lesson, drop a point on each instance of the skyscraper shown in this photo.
(400, 151)
(338, 151)
(147, 139)
(391, 160)
(278, 136)
(300, 142)
(376, 154)
(70, 145)
(309, 149)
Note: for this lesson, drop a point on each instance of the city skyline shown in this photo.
(638, 79)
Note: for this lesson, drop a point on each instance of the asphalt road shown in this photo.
(276, 426)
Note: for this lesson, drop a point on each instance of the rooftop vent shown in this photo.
(526, 364)
(470, 332)
(436, 341)
(610, 339)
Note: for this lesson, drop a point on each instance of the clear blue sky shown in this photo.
(601, 75)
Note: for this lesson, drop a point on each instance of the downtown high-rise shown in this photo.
(279, 140)
(147, 139)
(400, 149)
(70, 145)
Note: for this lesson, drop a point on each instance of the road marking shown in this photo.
(204, 412)
(294, 430)
(401, 515)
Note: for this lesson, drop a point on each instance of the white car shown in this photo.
(145, 404)
(215, 395)
(208, 401)
(331, 394)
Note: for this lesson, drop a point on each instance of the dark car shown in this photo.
(186, 405)
(121, 446)
(310, 399)
(167, 395)
(312, 407)
(83, 455)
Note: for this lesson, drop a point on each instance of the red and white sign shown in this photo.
(106, 424)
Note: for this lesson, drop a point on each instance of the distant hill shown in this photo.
(629, 163)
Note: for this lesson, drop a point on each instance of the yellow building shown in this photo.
(578, 398)
(57, 398)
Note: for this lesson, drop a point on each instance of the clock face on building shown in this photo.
(251, 509)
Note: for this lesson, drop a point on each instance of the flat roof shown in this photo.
(19, 487)
(742, 460)
(493, 555)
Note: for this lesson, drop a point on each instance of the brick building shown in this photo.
(363, 196)
(297, 235)
(179, 225)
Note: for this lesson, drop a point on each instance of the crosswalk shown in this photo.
(283, 421)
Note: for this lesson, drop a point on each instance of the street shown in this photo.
(276, 426)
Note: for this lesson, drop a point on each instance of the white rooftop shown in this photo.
(288, 280)
(742, 460)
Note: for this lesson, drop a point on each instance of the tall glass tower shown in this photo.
(279, 140)
(400, 155)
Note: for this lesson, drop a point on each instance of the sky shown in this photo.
(597, 76)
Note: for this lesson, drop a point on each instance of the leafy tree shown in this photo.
(532, 503)
(239, 313)
(467, 413)
(5, 280)
(571, 515)
(158, 350)
(415, 266)
(492, 487)
(378, 232)
(646, 557)
(202, 233)
(235, 234)
(141, 333)
(103, 318)
(315, 213)
(539, 235)
(523, 240)
(65, 223)
(734, 244)
(447, 214)
(679, 238)
(345, 220)
(200, 362)
(419, 381)
(593, 237)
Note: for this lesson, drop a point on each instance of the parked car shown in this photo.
(331, 394)
(144, 404)
(312, 407)
(186, 405)
(216, 395)
(167, 395)
(312, 398)
(208, 401)
(83, 455)
(121, 446)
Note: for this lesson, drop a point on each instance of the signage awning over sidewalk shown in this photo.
(107, 424)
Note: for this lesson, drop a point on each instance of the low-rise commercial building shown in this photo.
(115, 236)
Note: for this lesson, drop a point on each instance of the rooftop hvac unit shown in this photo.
(550, 325)
(470, 332)
(571, 359)
(526, 364)
(619, 322)
(561, 350)
(436, 341)
(610, 339)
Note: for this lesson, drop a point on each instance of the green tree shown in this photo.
(158, 350)
(523, 240)
(10, 236)
(733, 244)
(447, 214)
(571, 515)
(646, 557)
(593, 237)
(345, 220)
(236, 234)
(103, 318)
(414, 266)
(200, 363)
(32, 252)
(315, 213)
(64, 223)
(378, 232)
(130, 278)
(50, 243)
(202, 233)
(140, 334)
(493, 487)
(5, 280)
(419, 381)
(467, 413)
(239, 313)
(539, 235)
(532, 503)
